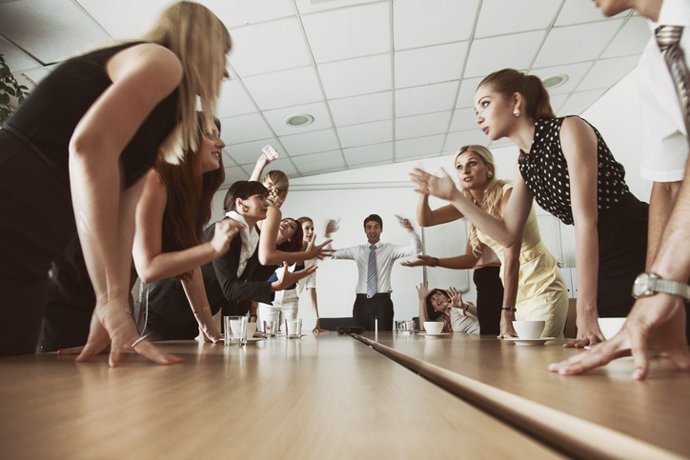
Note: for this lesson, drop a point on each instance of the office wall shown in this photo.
(386, 190)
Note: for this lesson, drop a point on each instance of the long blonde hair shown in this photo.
(200, 40)
(493, 192)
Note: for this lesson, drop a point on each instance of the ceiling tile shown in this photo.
(578, 11)
(50, 30)
(268, 47)
(249, 152)
(459, 139)
(591, 40)
(557, 101)
(234, 100)
(490, 54)
(607, 72)
(468, 86)
(580, 101)
(444, 21)
(366, 27)
(421, 125)
(315, 141)
(234, 174)
(369, 154)
(425, 99)
(574, 72)
(285, 88)
(235, 13)
(362, 109)
(419, 147)
(16, 59)
(125, 18)
(497, 17)
(245, 128)
(464, 120)
(631, 39)
(356, 76)
(319, 162)
(368, 133)
(432, 64)
(314, 6)
(276, 118)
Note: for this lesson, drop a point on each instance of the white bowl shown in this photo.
(529, 329)
(433, 327)
(610, 326)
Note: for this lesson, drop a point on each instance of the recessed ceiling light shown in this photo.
(554, 81)
(296, 121)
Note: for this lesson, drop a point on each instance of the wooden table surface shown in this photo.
(603, 412)
(325, 397)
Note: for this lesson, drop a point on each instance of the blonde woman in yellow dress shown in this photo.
(533, 285)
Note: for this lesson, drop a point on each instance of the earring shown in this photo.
(489, 174)
(516, 112)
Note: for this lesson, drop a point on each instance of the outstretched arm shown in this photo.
(269, 254)
(268, 154)
(426, 217)
(422, 291)
(196, 295)
(506, 231)
(462, 262)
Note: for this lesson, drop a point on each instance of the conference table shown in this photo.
(366, 396)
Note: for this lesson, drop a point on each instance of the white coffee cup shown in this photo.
(433, 327)
(530, 329)
(610, 326)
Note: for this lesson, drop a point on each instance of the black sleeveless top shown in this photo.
(545, 172)
(50, 114)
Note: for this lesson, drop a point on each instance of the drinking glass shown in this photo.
(235, 330)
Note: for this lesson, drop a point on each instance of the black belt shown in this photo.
(378, 294)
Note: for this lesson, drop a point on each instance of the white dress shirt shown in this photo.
(250, 240)
(386, 254)
(663, 138)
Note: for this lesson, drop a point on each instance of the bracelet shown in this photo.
(201, 310)
(511, 309)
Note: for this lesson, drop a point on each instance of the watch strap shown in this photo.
(672, 287)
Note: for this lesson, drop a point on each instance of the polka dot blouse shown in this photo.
(545, 172)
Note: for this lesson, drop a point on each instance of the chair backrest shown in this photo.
(332, 324)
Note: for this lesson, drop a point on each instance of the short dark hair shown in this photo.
(375, 218)
(431, 313)
(242, 189)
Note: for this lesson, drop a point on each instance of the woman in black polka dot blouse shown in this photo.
(566, 166)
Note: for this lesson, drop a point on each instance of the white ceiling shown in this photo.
(386, 80)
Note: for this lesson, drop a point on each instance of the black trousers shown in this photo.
(366, 311)
(37, 224)
(489, 299)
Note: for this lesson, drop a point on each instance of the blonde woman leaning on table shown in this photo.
(533, 286)
(73, 159)
(448, 307)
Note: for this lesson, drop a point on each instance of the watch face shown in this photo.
(641, 287)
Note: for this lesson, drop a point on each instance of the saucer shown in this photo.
(529, 342)
(440, 334)
(255, 339)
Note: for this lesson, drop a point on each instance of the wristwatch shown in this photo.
(647, 284)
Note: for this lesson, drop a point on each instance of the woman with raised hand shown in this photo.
(567, 167)
(277, 184)
(448, 307)
(74, 158)
(533, 286)
(309, 283)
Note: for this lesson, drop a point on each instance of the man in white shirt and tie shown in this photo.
(374, 264)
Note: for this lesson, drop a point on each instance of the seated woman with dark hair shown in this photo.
(447, 306)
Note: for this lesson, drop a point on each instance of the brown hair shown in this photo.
(510, 81)
(242, 189)
(277, 184)
(199, 40)
(493, 193)
(294, 243)
(188, 206)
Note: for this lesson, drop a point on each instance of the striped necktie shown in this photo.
(372, 277)
(668, 39)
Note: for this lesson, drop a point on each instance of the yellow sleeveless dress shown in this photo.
(541, 292)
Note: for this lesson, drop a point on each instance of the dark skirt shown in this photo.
(622, 254)
(489, 299)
